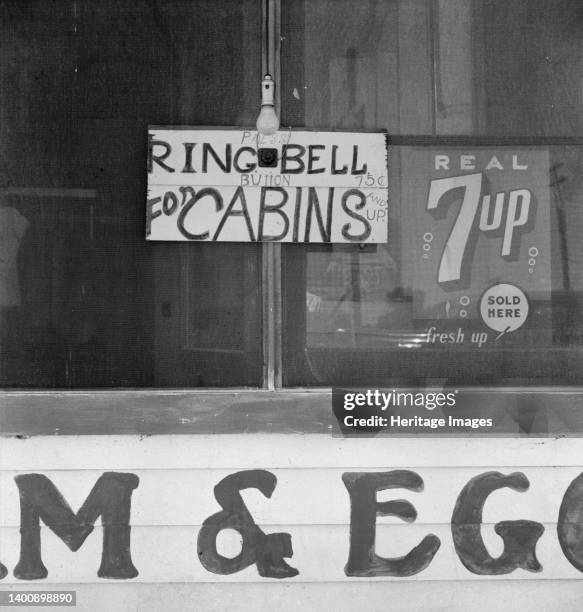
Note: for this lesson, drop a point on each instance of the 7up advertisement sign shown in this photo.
(477, 241)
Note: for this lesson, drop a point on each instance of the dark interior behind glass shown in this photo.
(453, 77)
(85, 301)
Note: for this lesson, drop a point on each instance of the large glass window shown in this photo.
(481, 100)
(480, 279)
(84, 300)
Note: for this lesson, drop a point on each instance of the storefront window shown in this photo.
(84, 300)
(479, 281)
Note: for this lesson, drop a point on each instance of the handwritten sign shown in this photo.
(239, 186)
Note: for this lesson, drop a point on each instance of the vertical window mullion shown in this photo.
(271, 252)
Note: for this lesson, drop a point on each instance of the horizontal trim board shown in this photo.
(49, 192)
(308, 411)
(259, 451)
(454, 140)
(448, 596)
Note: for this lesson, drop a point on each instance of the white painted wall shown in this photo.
(177, 475)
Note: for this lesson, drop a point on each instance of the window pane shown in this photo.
(85, 301)
(483, 96)
(488, 67)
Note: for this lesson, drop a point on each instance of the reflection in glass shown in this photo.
(503, 78)
(84, 300)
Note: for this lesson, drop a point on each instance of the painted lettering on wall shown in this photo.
(112, 494)
(110, 498)
(267, 552)
(362, 559)
(520, 537)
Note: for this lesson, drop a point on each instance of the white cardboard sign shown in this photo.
(294, 186)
